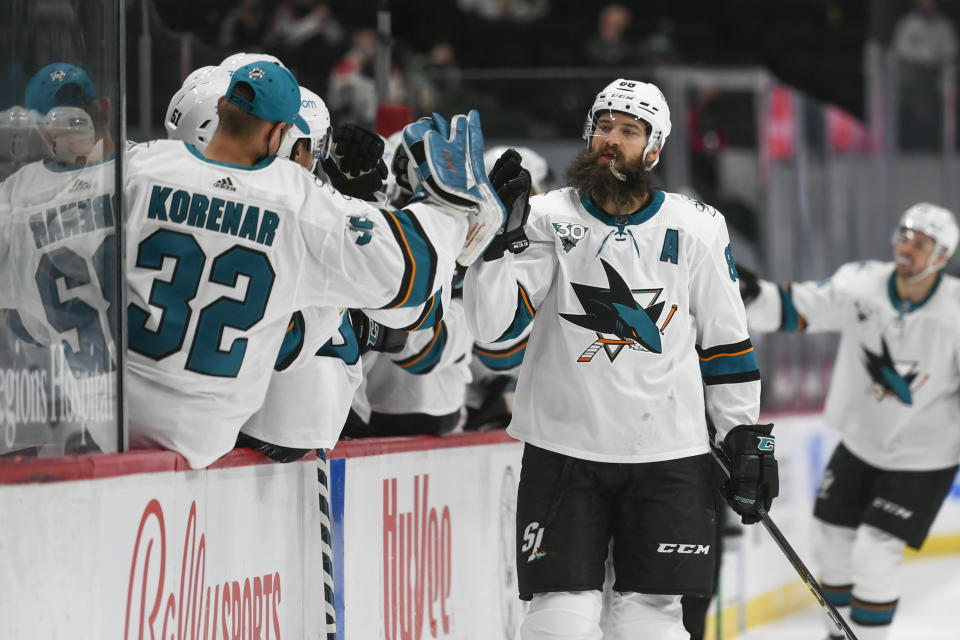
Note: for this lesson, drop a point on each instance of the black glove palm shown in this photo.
(512, 183)
(355, 165)
(754, 479)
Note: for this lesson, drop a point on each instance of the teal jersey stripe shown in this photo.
(791, 320)
(521, 318)
(292, 343)
(723, 365)
(420, 260)
(426, 360)
(501, 360)
(349, 351)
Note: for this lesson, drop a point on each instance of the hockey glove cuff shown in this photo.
(373, 336)
(355, 165)
(513, 188)
(754, 480)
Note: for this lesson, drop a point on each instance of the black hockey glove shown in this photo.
(512, 183)
(754, 481)
(355, 165)
(749, 284)
(374, 336)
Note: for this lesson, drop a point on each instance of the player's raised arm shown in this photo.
(503, 291)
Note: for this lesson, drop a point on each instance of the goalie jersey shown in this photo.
(894, 396)
(638, 321)
(219, 258)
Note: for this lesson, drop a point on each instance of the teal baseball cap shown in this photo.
(276, 93)
(59, 84)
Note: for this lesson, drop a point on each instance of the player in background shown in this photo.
(494, 366)
(58, 249)
(893, 400)
(638, 323)
(227, 243)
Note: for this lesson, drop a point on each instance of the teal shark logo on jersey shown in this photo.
(891, 378)
(614, 310)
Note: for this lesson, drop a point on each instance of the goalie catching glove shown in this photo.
(445, 160)
(754, 480)
(355, 165)
(512, 183)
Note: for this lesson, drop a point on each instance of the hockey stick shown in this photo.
(326, 543)
(797, 563)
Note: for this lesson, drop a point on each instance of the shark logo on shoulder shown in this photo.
(615, 311)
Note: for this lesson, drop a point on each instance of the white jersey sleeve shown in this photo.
(430, 375)
(824, 305)
(728, 362)
(501, 297)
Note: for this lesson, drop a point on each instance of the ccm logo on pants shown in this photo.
(695, 549)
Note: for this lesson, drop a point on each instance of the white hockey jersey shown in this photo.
(894, 396)
(307, 402)
(429, 375)
(638, 318)
(58, 266)
(219, 258)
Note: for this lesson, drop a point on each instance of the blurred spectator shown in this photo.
(512, 10)
(309, 38)
(353, 93)
(297, 22)
(708, 139)
(610, 45)
(925, 36)
(434, 79)
(923, 40)
(244, 26)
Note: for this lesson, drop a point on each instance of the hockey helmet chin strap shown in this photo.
(927, 270)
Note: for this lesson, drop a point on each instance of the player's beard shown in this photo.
(591, 177)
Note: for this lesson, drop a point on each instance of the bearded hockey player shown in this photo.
(893, 400)
(638, 323)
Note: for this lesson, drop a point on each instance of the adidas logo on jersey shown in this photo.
(225, 183)
(79, 185)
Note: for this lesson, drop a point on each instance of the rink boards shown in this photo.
(138, 546)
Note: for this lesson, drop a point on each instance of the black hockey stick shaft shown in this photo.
(797, 563)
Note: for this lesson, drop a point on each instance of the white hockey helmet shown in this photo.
(69, 133)
(192, 112)
(233, 62)
(20, 139)
(314, 111)
(201, 74)
(540, 172)
(642, 100)
(937, 222)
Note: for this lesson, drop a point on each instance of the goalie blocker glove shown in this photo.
(355, 164)
(373, 336)
(445, 163)
(754, 480)
(512, 183)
